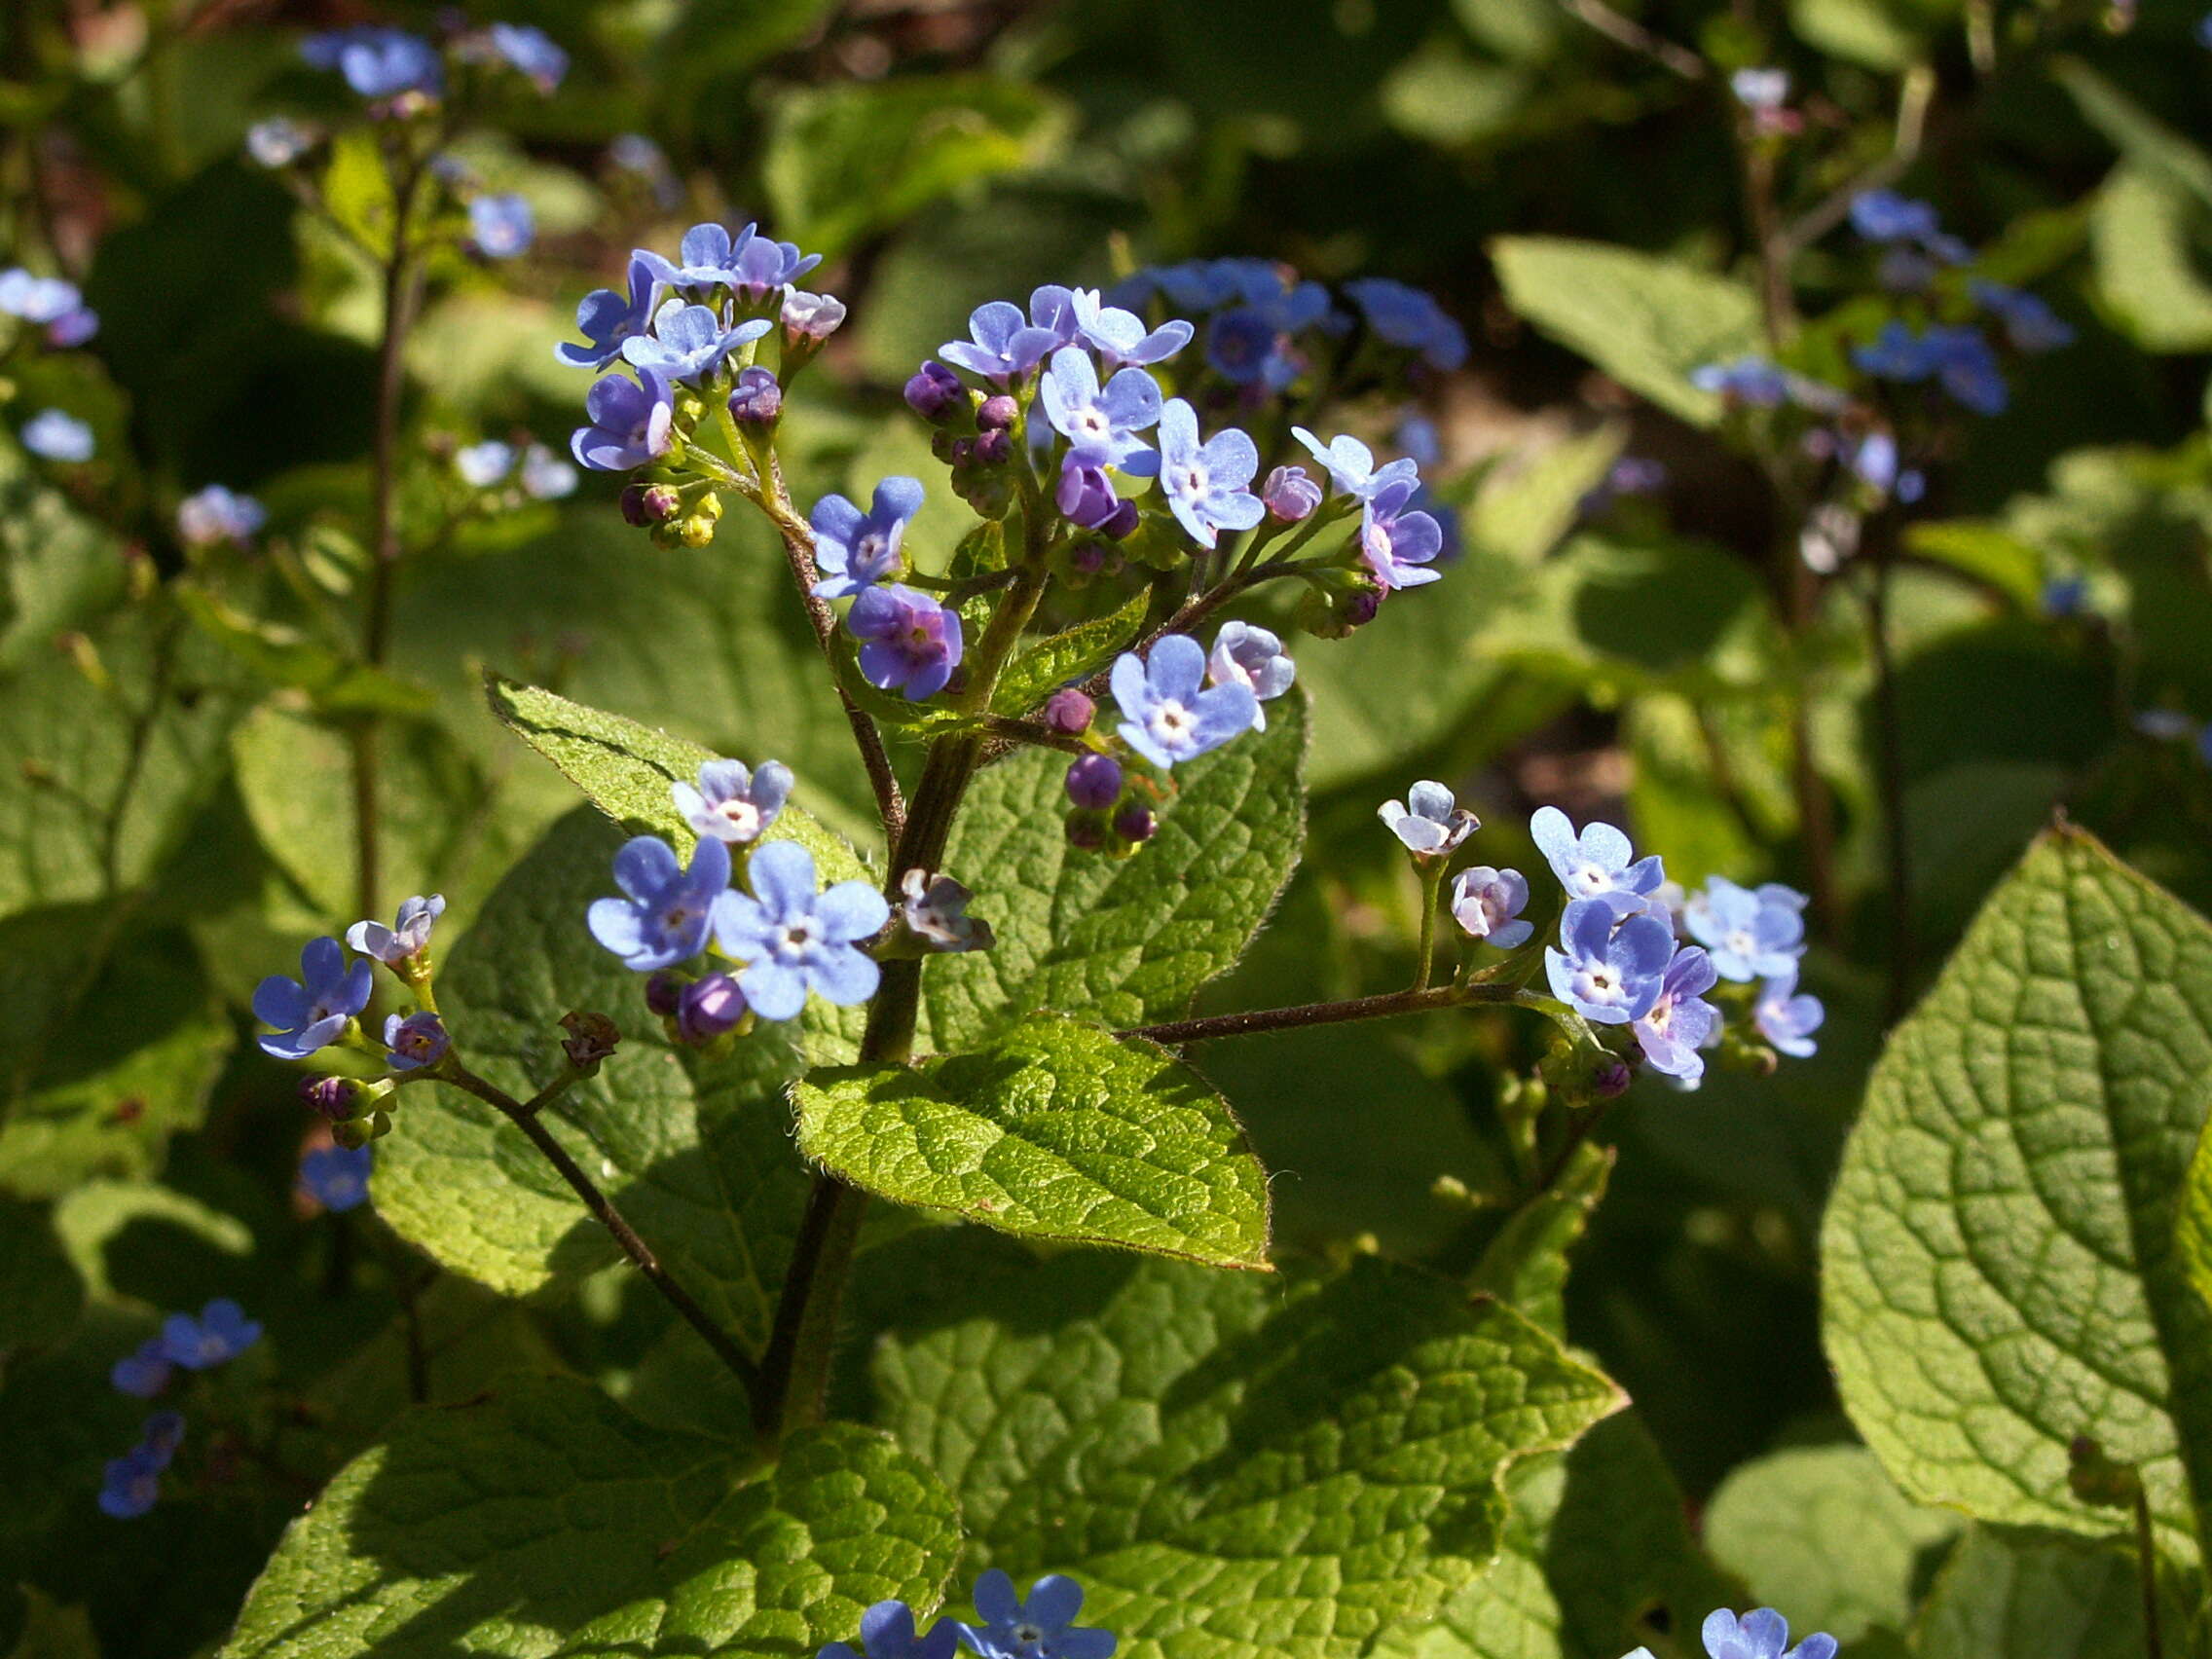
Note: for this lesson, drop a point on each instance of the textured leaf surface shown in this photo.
(1822, 1531)
(1073, 653)
(1230, 1469)
(1999, 1256)
(1647, 321)
(696, 1151)
(1056, 1129)
(2033, 1595)
(545, 1521)
(1121, 941)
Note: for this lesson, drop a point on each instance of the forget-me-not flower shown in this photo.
(408, 935)
(482, 466)
(688, 342)
(763, 267)
(1597, 864)
(1678, 1022)
(1207, 484)
(337, 1177)
(1610, 975)
(53, 435)
(1121, 336)
(666, 910)
(1785, 1017)
(887, 1632)
(531, 52)
(544, 476)
(1430, 821)
(633, 421)
(37, 298)
(1101, 423)
(278, 141)
(935, 907)
(1168, 712)
(854, 551)
(144, 1372)
(706, 258)
(794, 939)
(415, 1040)
(1409, 317)
(1752, 381)
(1398, 542)
(1350, 463)
(378, 62)
(1248, 655)
(1751, 934)
(131, 1485)
(221, 1333)
(311, 1011)
(218, 514)
(732, 802)
(503, 227)
(1002, 343)
(1041, 1627)
(607, 318)
(2029, 323)
(1487, 903)
(1762, 1633)
(908, 642)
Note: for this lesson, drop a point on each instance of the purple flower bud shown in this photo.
(1290, 495)
(992, 449)
(1610, 1080)
(647, 504)
(998, 412)
(1362, 607)
(1085, 494)
(330, 1096)
(1120, 521)
(664, 991)
(1087, 557)
(1094, 781)
(1070, 710)
(1085, 831)
(709, 1006)
(935, 393)
(1134, 823)
(758, 399)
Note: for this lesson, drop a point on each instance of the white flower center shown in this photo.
(1172, 722)
(1091, 424)
(792, 940)
(1190, 479)
(1740, 943)
(869, 550)
(742, 816)
(1599, 984)
(1591, 879)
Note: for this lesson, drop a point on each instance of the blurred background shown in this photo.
(1640, 644)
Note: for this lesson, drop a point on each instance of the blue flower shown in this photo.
(310, 1011)
(705, 260)
(531, 52)
(1120, 336)
(130, 1484)
(1752, 935)
(935, 908)
(53, 435)
(666, 910)
(910, 641)
(1429, 822)
(1350, 463)
(378, 62)
(732, 802)
(1760, 88)
(482, 466)
(1885, 216)
(631, 423)
(1043, 1627)
(1752, 381)
(221, 1333)
(546, 476)
(1205, 484)
(1761, 1635)
(143, 1373)
(1254, 659)
(1487, 903)
(1005, 343)
(503, 227)
(811, 316)
(608, 318)
(1168, 713)
(762, 266)
(161, 1435)
(1599, 864)
(689, 342)
(415, 1040)
(1785, 1018)
(1959, 358)
(337, 1177)
(1396, 540)
(1680, 1022)
(855, 549)
(278, 141)
(2065, 596)
(408, 935)
(887, 1632)
(1409, 317)
(1101, 424)
(2029, 325)
(1610, 975)
(217, 514)
(794, 939)
(38, 300)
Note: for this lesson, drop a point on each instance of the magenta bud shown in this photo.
(997, 414)
(1362, 607)
(992, 449)
(1069, 711)
(648, 504)
(664, 991)
(331, 1097)
(1094, 781)
(1290, 495)
(1134, 823)
(709, 1007)
(935, 393)
(1611, 1079)
(1120, 521)
(758, 399)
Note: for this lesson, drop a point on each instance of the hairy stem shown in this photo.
(602, 1208)
(1388, 1005)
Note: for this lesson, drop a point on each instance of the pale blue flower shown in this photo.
(688, 342)
(221, 1333)
(1487, 903)
(1002, 343)
(415, 1040)
(633, 421)
(731, 803)
(1397, 541)
(1207, 484)
(1785, 1018)
(854, 551)
(1429, 822)
(1610, 975)
(482, 466)
(1041, 1627)
(1597, 864)
(1167, 713)
(310, 1011)
(607, 317)
(1350, 463)
(408, 935)
(218, 514)
(1121, 336)
(908, 642)
(1247, 655)
(1680, 1021)
(1753, 935)
(337, 1177)
(666, 910)
(794, 939)
(1101, 423)
(53, 435)
(1760, 1635)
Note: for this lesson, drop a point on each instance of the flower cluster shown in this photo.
(402, 74)
(216, 515)
(1006, 1625)
(507, 475)
(49, 304)
(1762, 1634)
(222, 1332)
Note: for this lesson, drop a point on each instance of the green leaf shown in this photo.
(2145, 140)
(545, 1520)
(51, 1631)
(848, 158)
(1526, 1262)
(696, 1151)
(625, 770)
(1984, 552)
(1055, 1130)
(2033, 1595)
(1073, 653)
(1646, 320)
(1999, 1259)
(285, 656)
(40, 1292)
(1119, 941)
(1230, 1469)
(2145, 232)
(356, 191)
(1822, 1531)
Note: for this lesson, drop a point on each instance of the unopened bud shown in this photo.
(664, 991)
(354, 1133)
(1087, 830)
(709, 1006)
(1290, 495)
(992, 449)
(697, 530)
(338, 1099)
(1610, 1080)
(997, 414)
(1069, 711)
(648, 504)
(1134, 823)
(758, 399)
(935, 393)
(1119, 523)
(1094, 781)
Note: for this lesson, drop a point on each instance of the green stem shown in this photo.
(1497, 992)
(1431, 874)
